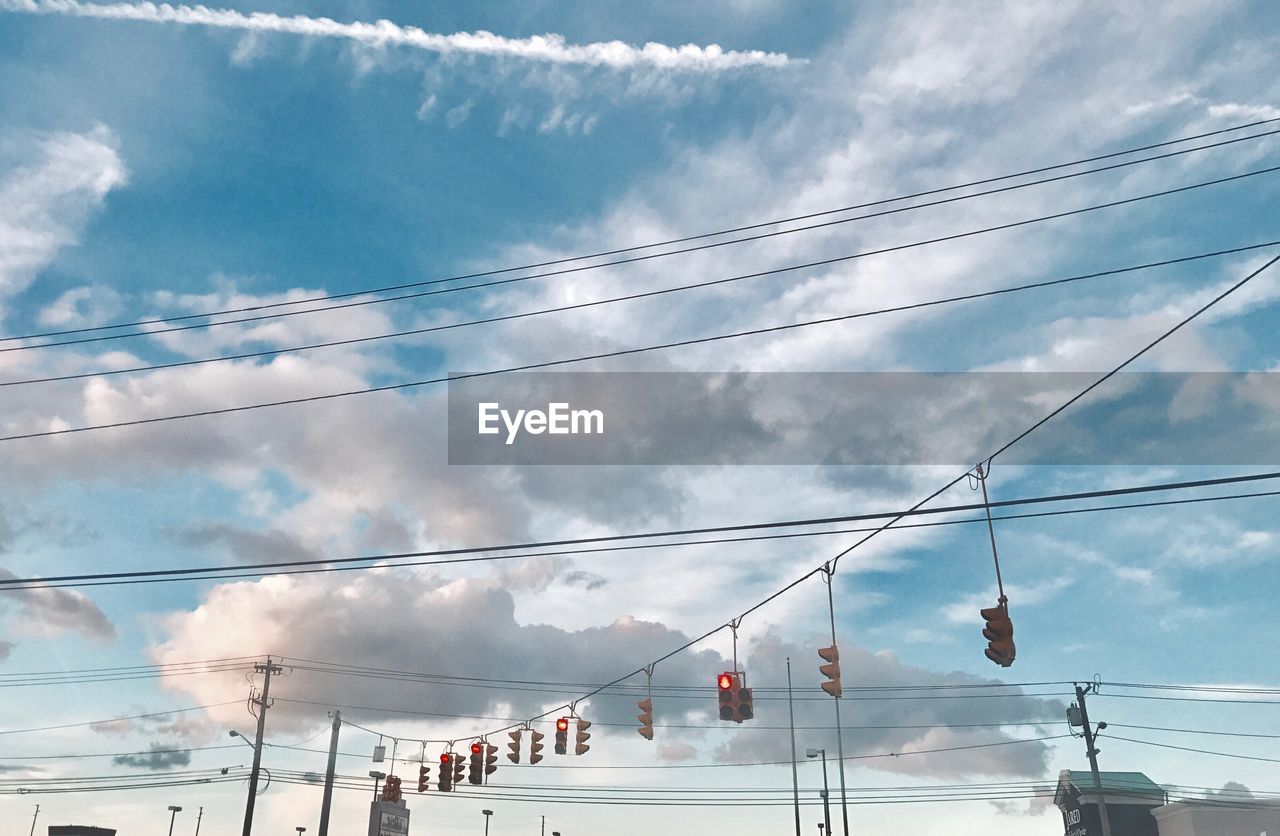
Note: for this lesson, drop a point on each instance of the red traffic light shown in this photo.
(444, 758)
(562, 724)
(476, 748)
(725, 682)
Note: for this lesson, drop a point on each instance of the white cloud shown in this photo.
(80, 307)
(48, 201)
(548, 48)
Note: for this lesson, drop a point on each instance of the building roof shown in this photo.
(1123, 786)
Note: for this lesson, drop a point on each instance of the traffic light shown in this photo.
(562, 736)
(458, 769)
(735, 699)
(514, 746)
(581, 738)
(999, 634)
(535, 746)
(391, 789)
(490, 759)
(646, 718)
(727, 685)
(444, 781)
(476, 775)
(831, 670)
(424, 778)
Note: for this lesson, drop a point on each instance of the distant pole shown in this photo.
(1092, 751)
(198, 818)
(173, 814)
(795, 776)
(33, 820)
(263, 704)
(544, 826)
(327, 800)
(826, 793)
(844, 799)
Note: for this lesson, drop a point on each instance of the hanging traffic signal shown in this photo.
(581, 738)
(391, 789)
(535, 746)
(444, 781)
(424, 778)
(746, 704)
(562, 736)
(646, 718)
(999, 634)
(458, 770)
(727, 685)
(476, 773)
(514, 746)
(831, 670)
(490, 759)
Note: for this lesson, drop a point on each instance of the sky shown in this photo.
(163, 161)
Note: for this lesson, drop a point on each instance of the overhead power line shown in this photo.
(669, 242)
(393, 335)
(394, 387)
(487, 553)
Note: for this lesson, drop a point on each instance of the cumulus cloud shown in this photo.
(57, 611)
(550, 48)
(159, 756)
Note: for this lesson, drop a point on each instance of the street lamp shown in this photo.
(826, 803)
(300, 830)
(376, 776)
(487, 814)
(173, 814)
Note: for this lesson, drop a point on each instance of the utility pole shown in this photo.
(1092, 752)
(544, 826)
(328, 775)
(263, 704)
(829, 577)
(33, 820)
(198, 818)
(795, 779)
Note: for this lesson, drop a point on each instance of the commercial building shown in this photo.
(79, 830)
(1137, 806)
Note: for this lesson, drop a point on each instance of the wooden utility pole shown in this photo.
(328, 775)
(1092, 752)
(263, 703)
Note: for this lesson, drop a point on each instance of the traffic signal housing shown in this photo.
(580, 739)
(514, 746)
(562, 736)
(424, 778)
(476, 773)
(831, 670)
(535, 746)
(736, 702)
(490, 759)
(444, 782)
(391, 789)
(458, 770)
(646, 718)
(999, 634)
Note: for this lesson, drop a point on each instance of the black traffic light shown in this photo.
(514, 746)
(458, 769)
(391, 789)
(444, 782)
(581, 738)
(424, 778)
(646, 718)
(735, 698)
(562, 736)
(476, 773)
(831, 670)
(535, 746)
(490, 759)
(999, 634)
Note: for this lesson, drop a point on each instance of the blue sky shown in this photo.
(153, 168)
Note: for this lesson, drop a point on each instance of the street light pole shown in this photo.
(173, 814)
(377, 777)
(826, 790)
(487, 814)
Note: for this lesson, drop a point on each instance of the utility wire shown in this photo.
(673, 241)
(273, 352)
(392, 387)
(487, 553)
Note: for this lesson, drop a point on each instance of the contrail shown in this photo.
(549, 48)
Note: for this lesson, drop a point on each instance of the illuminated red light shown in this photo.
(725, 682)
(476, 748)
(562, 724)
(444, 758)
